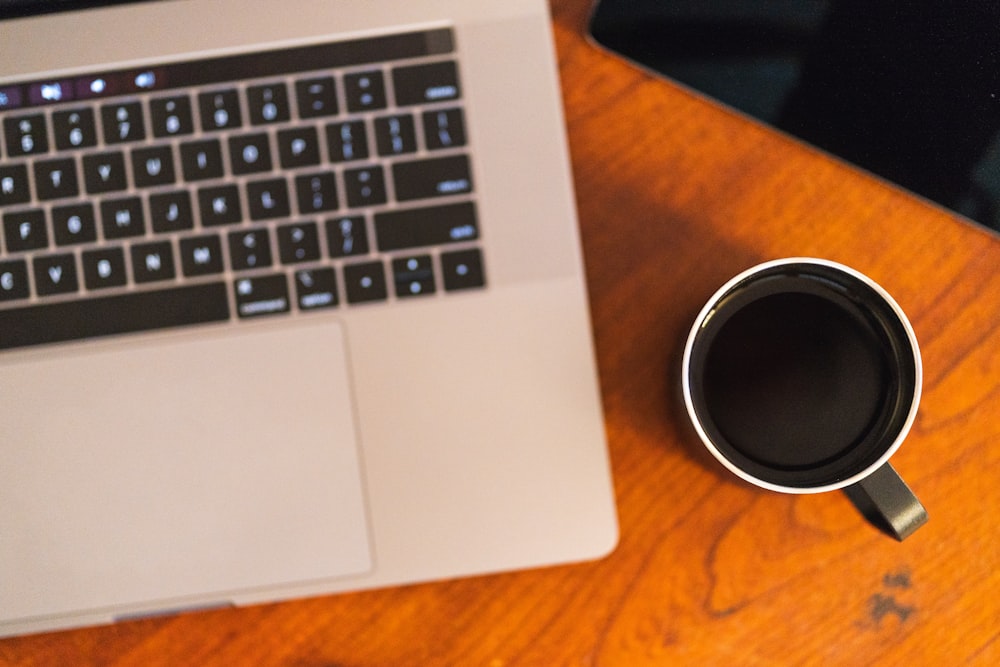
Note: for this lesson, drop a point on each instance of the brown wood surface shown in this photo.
(676, 195)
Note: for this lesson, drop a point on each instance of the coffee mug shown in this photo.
(803, 375)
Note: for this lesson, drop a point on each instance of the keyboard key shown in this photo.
(395, 135)
(298, 147)
(104, 268)
(104, 172)
(171, 116)
(365, 91)
(170, 211)
(220, 110)
(263, 295)
(123, 122)
(219, 206)
(250, 153)
(25, 230)
(26, 135)
(365, 282)
(13, 280)
(316, 97)
(109, 315)
(365, 186)
(74, 224)
(56, 179)
(347, 236)
(268, 199)
(55, 274)
(316, 192)
(249, 249)
(268, 103)
(201, 255)
(201, 160)
(153, 261)
(423, 84)
(413, 276)
(74, 128)
(14, 188)
(153, 166)
(298, 242)
(433, 225)
(436, 177)
(122, 218)
(316, 288)
(444, 128)
(347, 141)
(462, 269)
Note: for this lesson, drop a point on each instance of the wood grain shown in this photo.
(676, 195)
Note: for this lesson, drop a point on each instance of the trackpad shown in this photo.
(148, 472)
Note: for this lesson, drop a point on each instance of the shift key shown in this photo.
(437, 177)
(432, 225)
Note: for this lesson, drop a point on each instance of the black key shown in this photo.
(346, 236)
(444, 128)
(201, 255)
(316, 192)
(170, 211)
(436, 177)
(104, 172)
(395, 135)
(268, 199)
(298, 147)
(220, 110)
(14, 188)
(249, 249)
(201, 160)
(365, 91)
(462, 269)
(26, 135)
(121, 218)
(365, 282)
(25, 230)
(347, 141)
(55, 274)
(250, 153)
(110, 315)
(171, 116)
(423, 84)
(262, 295)
(104, 268)
(153, 166)
(123, 122)
(298, 242)
(219, 206)
(433, 225)
(268, 103)
(13, 280)
(413, 276)
(56, 179)
(74, 224)
(316, 97)
(153, 261)
(316, 288)
(365, 186)
(74, 128)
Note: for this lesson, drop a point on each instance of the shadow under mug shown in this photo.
(802, 375)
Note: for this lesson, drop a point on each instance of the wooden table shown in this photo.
(676, 195)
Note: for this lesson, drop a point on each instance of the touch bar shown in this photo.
(105, 316)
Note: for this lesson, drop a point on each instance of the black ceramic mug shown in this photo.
(803, 375)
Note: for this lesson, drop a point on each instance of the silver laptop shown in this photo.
(291, 303)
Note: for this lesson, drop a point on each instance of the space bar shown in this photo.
(106, 316)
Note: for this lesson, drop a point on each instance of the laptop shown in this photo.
(291, 303)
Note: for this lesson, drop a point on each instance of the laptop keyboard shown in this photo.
(236, 187)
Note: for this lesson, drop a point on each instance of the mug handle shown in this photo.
(886, 501)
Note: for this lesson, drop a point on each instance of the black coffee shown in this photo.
(796, 382)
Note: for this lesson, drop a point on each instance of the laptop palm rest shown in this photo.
(196, 491)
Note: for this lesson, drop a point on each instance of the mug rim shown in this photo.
(703, 317)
